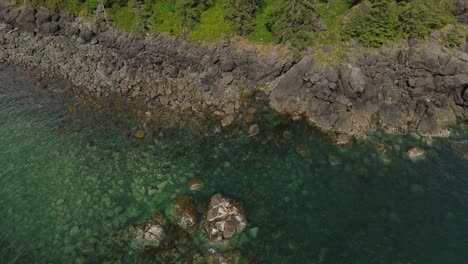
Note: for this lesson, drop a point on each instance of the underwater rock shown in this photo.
(303, 151)
(140, 134)
(460, 150)
(195, 184)
(72, 108)
(227, 121)
(147, 235)
(343, 139)
(225, 218)
(416, 154)
(253, 130)
(214, 257)
(334, 160)
(249, 118)
(185, 213)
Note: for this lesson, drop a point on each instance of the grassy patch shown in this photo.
(165, 19)
(212, 25)
(332, 15)
(261, 32)
(124, 17)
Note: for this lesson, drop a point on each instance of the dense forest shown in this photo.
(297, 23)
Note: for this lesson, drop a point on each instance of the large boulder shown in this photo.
(353, 80)
(225, 218)
(49, 28)
(27, 15)
(228, 65)
(289, 86)
(44, 15)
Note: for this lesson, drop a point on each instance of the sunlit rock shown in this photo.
(460, 150)
(254, 130)
(140, 134)
(225, 218)
(416, 154)
(195, 184)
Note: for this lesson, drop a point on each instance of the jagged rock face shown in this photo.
(402, 87)
(225, 218)
(416, 88)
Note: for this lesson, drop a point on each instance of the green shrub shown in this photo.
(190, 11)
(126, 18)
(292, 24)
(420, 18)
(212, 25)
(241, 14)
(261, 31)
(164, 18)
(374, 27)
(455, 37)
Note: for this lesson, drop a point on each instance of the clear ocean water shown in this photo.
(72, 177)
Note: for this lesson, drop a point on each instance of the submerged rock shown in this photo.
(416, 154)
(227, 121)
(140, 134)
(195, 184)
(254, 130)
(225, 218)
(146, 235)
(460, 150)
(185, 213)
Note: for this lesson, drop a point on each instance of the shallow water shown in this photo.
(70, 180)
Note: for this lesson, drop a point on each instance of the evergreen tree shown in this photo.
(374, 27)
(190, 10)
(420, 18)
(241, 14)
(293, 23)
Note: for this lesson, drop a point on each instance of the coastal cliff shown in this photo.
(402, 87)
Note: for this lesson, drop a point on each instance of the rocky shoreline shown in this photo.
(404, 87)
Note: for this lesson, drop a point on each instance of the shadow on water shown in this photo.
(72, 173)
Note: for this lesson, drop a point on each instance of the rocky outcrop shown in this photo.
(225, 218)
(402, 87)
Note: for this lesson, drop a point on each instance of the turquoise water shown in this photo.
(70, 181)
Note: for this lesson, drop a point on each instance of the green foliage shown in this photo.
(126, 18)
(332, 14)
(261, 32)
(191, 10)
(375, 26)
(419, 18)
(455, 36)
(212, 25)
(293, 23)
(164, 18)
(71, 6)
(241, 14)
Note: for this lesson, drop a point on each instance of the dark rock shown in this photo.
(43, 15)
(331, 74)
(11, 16)
(412, 42)
(428, 126)
(86, 35)
(228, 65)
(27, 15)
(392, 118)
(290, 84)
(460, 7)
(49, 28)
